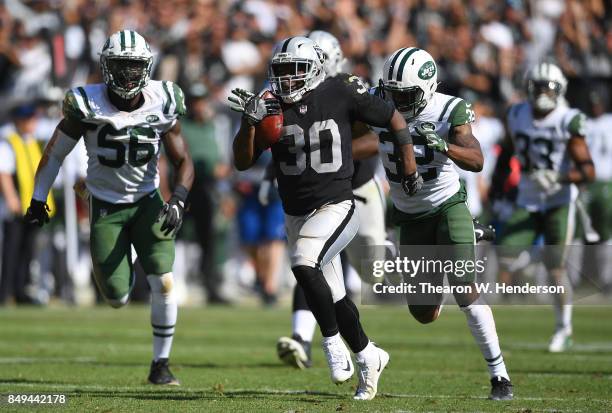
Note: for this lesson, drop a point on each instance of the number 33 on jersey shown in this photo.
(440, 178)
(123, 147)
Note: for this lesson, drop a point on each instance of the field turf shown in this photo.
(226, 361)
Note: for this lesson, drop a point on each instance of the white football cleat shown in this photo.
(561, 341)
(338, 359)
(370, 370)
(294, 351)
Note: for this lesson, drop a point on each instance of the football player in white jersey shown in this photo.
(438, 214)
(123, 122)
(370, 207)
(548, 138)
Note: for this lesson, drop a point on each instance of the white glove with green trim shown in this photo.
(547, 180)
(434, 141)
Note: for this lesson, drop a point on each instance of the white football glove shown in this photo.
(253, 107)
(547, 180)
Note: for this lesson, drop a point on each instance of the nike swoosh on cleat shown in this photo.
(348, 365)
(479, 233)
(379, 364)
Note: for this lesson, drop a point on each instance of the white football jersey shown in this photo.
(123, 147)
(599, 138)
(440, 179)
(542, 144)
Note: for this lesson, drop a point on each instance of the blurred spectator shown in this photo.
(262, 229)
(19, 157)
(199, 132)
(482, 46)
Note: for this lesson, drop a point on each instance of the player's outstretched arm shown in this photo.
(398, 126)
(365, 141)
(65, 137)
(464, 149)
(178, 154)
(412, 181)
(584, 169)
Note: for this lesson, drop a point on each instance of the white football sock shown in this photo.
(563, 317)
(482, 325)
(163, 313)
(304, 324)
(364, 354)
(562, 303)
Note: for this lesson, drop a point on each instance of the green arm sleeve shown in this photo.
(577, 126)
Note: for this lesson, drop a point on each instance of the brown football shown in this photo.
(268, 131)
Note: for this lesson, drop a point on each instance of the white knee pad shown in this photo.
(162, 286)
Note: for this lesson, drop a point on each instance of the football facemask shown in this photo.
(408, 101)
(544, 94)
(127, 74)
(289, 77)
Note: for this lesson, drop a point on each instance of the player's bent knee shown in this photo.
(425, 314)
(114, 291)
(305, 275)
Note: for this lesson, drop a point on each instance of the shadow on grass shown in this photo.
(103, 363)
(555, 371)
(178, 395)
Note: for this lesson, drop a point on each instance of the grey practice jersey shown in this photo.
(599, 138)
(440, 179)
(123, 147)
(542, 144)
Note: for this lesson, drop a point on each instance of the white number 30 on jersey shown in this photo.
(322, 161)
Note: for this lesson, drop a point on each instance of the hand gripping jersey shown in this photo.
(123, 147)
(542, 144)
(440, 179)
(313, 160)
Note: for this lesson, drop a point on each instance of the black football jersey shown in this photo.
(313, 160)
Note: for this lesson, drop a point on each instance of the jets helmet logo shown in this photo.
(427, 70)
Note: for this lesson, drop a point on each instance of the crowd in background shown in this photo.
(209, 47)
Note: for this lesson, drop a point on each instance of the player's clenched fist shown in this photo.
(172, 212)
(37, 213)
(412, 184)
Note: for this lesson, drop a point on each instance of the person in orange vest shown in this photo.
(19, 157)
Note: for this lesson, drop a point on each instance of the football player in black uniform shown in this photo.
(370, 206)
(314, 167)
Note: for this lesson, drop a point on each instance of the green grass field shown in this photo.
(226, 361)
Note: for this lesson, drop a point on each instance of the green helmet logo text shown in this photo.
(427, 71)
